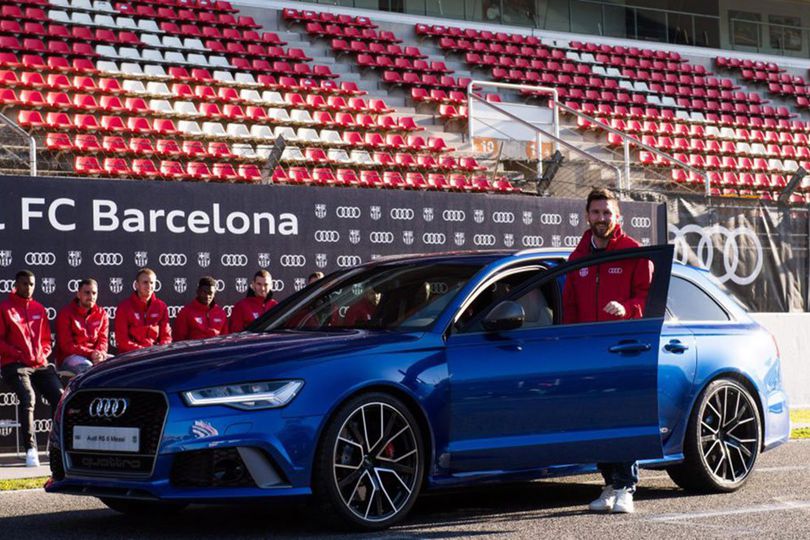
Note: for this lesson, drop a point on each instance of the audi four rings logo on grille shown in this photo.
(233, 259)
(401, 213)
(6, 285)
(434, 238)
(346, 261)
(550, 219)
(571, 241)
(381, 237)
(292, 260)
(40, 258)
(108, 259)
(173, 259)
(347, 212)
(327, 236)
(113, 407)
(641, 222)
(484, 239)
(532, 241)
(454, 215)
(503, 217)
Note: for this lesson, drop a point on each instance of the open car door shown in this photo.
(530, 387)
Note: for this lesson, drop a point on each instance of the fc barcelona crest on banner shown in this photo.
(203, 259)
(74, 258)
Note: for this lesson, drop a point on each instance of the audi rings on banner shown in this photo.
(233, 259)
(6, 285)
(51, 313)
(40, 258)
(108, 259)
(348, 212)
(484, 239)
(402, 213)
(347, 261)
(295, 261)
(571, 241)
(327, 236)
(640, 222)
(381, 237)
(434, 239)
(172, 259)
(532, 241)
(550, 219)
(732, 242)
(503, 217)
(454, 215)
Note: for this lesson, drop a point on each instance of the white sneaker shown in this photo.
(624, 502)
(605, 501)
(31, 458)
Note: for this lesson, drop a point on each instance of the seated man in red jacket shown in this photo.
(142, 320)
(25, 343)
(259, 299)
(82, 329)
(202, 317)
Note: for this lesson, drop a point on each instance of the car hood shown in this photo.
(235, 358)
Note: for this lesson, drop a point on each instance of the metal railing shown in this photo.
(473, 98)
(32, 143)
(557, 106)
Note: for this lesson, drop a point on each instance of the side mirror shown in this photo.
(505, 316)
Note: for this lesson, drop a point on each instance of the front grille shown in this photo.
(146, 411)
(218, 467)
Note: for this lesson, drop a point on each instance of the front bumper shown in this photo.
(266, 454)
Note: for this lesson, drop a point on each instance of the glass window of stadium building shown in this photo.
(781, 28)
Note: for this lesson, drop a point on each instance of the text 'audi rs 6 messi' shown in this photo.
(425, 372)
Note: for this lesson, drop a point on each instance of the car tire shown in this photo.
(136, 508)
(722, 440)
(369, 464)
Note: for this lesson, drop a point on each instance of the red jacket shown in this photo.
(198, 321)
(25, 333)
(80, 331)
(139, 325)
(588, 290)
(248, 310)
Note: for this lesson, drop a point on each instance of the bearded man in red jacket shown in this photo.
(142, 320)
(607, 293)
(82, 329)
(25, 343)
(202, 317)
(259, 299)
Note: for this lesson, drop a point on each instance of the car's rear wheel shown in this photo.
(136, 508)
(722, 441)
(370, 461)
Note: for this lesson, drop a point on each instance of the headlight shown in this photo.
(247, 396)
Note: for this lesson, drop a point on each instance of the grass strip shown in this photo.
(800, 433)
(800, 416)
(22, 483)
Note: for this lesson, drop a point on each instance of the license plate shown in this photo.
(112, 439)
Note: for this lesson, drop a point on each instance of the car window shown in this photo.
(389, 297)
(492, 294)
(688, 302)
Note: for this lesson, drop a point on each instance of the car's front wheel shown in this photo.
(722, 441)
(370, 461)
(137, 508)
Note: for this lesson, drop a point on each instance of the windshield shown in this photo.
(407, 296)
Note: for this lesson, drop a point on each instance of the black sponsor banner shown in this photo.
(760, 252)
(65, 230)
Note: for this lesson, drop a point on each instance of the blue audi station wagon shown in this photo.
(425, 372)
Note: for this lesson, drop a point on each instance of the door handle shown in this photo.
(675, 346)
(630, 347)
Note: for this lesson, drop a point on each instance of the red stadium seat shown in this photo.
(87, 165)
(116, 166)
(172, 170)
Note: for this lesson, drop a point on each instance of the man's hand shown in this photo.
(97, 356)
(615, 308)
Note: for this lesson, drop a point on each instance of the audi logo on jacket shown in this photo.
(248, 310)
(589, 289)
(140, 324)
(198, 321)
(81, 331)
(25, 334)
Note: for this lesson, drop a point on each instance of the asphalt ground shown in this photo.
(774, 504)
